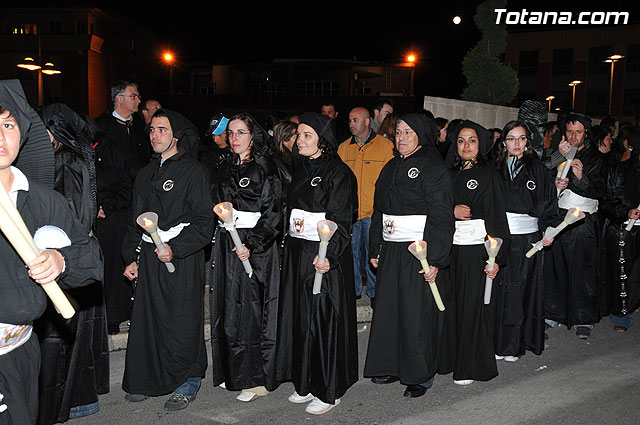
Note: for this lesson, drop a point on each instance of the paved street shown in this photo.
(572, 382)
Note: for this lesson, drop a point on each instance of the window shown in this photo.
(631, 101)
(633, 58)
(528, 63)
(597, 102)
(55, 27)
(81, 28)
(207, 90)
(562, 62)
(318, 88)
(597, 56)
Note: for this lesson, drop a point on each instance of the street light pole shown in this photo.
(573, 84)
(549, 99)
(612, 59)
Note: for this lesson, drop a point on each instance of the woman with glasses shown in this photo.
(531, 207)
(479, 210)
(244, 307)
(317, 339)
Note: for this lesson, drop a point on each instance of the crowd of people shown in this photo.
(484, 203)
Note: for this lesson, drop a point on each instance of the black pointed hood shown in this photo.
(321, 124)
(185, 131)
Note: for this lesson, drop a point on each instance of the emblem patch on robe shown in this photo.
(298, 225)
(531, 185)
(413, 173)
(472, 184)
(168, 185)
(389, 227)
(315, 181)
(244, 182)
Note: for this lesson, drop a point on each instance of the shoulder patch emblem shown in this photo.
(168, 185)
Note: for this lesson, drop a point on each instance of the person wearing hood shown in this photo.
(165, 350)
(244, 309)
(468, 347)
(619, 265)
(571, 264)
(75, 265)
(531, 207)
(413, 201)
(75, 352)
(317, 339)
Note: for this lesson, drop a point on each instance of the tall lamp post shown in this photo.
(573, 84)
(411, 59)
(612, 59)
(549, 99)
(32, 65)
(169, 59)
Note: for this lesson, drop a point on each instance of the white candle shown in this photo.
(224, 210)
(419, 250)
(492, 245)
(149, 222)
(573, 215)
(631, 223)
(326, 229)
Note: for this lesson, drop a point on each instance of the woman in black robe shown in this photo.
(244, 309)
(317, 339)
(413, 201)
(75, 351)
(479, 197)
(531, 208)
(619, 265)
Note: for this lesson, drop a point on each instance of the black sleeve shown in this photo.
(614, 205)
(267, 229)
(494, 207)
(342, 188)
(438, 232)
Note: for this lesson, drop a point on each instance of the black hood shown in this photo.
(35, 159)
(585, 120)
(185, 131)
(321, 124)
(533, 114)
(485, 138)
(424, 127)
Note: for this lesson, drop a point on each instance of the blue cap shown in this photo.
(217, 125)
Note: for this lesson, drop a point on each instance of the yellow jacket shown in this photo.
(366, 162)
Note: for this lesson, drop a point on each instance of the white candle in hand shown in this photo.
(224, 210)
(149, 222)
(419, 250)
(573, 215)
(326, 229)
(492, 245)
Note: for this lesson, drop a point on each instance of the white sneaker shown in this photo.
(223, 386)
(499, 357)
(297, 398)
(511, 358)
(463, 382)
(247, 396)
(319, 407)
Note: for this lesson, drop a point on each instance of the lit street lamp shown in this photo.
(612, 59)
(411, 59)
(48, 68)
(169, 59)
(549, 99)
(573, 84)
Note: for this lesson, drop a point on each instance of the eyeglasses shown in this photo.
(516, 139)
(133, 96)
(407, 133)
(238, 133)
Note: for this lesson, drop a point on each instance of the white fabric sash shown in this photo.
(13, 336)
(573, 200)
(166, 235)
(403, 228)
(304, 224)
(243, 219)
(469, 232)
(636, 223)
(522, 224)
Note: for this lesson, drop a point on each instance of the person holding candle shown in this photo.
(31, 191)
(531, 207)
(468, 348)
(413, 201)
(317, 339)
(619, 265)
(244, 309)
(571, 287)
(166, 352)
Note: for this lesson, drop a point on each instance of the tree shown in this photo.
(488, 79)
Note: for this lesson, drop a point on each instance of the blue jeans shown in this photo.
(555, 324)
(625, 321)
(361, 265)
(189, 388)
(428, 384)
(85, 410)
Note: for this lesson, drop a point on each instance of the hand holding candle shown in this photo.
(224, 210)
(492, 245)
(149, 222)
(573, 215)
(419, 250)
(567, 164)
(632, 222)
(326, 229)
(16, 231)
(560, 169)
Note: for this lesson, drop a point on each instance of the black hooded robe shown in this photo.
(519, 291)
(571, 289)
(405, 331)
(166, 339)
(317, 339)
(619, 259)
(244, 310)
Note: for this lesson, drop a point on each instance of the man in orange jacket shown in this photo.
(365, 153)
